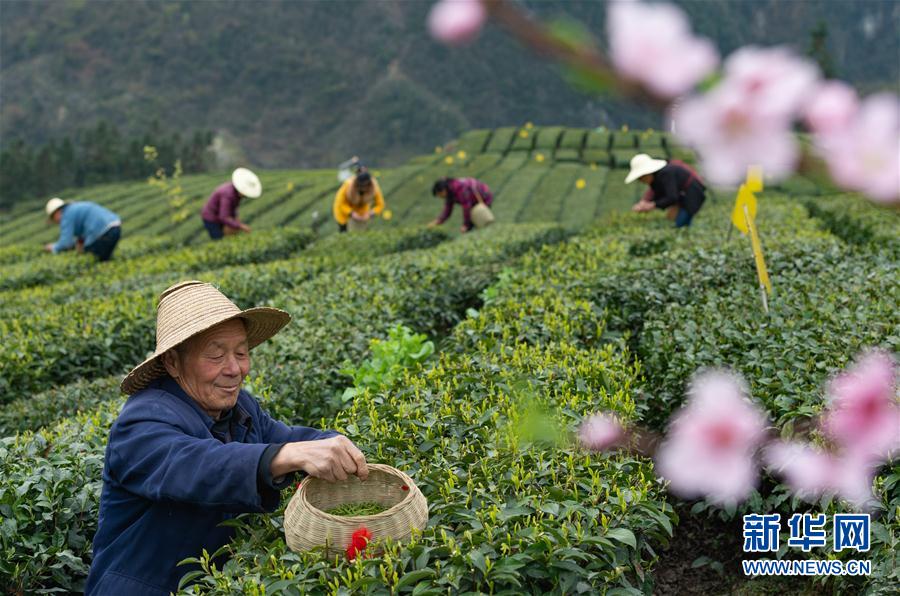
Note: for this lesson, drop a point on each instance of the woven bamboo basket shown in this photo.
(482, 215)
(307, 526)
(357, 225)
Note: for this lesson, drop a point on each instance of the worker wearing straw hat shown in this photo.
(191, 449)
(220, 213)
(84, 225)
(673, 185)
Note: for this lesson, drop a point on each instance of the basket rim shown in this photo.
(413, 491)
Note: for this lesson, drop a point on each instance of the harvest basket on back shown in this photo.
(482, 215)
(308, 526)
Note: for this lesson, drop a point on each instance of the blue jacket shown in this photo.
(83, 220)
(168, 483)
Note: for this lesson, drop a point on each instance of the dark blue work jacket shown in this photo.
(170, 479)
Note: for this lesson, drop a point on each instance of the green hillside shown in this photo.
(308, 84)
(542, 174)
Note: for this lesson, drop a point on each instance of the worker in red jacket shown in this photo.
(220, 213)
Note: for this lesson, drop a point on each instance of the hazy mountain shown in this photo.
(303, 83)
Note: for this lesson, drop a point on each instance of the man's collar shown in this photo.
(170, 385)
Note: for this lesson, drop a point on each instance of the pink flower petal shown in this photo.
(863, 417)
(831, 108)
(711, 442)
(811, 473)
(600, 432)
(652, 44)
(456, 22)
(865, 155)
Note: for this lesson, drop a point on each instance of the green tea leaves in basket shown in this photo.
(356, 509)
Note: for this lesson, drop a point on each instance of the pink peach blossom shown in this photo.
(775, 81)
(863, 416)
(831, 107)
(729, 135)
(456, 22)
(652, 44)
(746, 119)
(811, 473)
(600, 432)
(712, 440)
(865, 155)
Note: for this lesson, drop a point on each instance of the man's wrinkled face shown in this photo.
(211, 367)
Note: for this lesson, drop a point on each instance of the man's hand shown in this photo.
(329, 459)
(245, 228)
(463, 230)
(433, 223)
(358, 217)
(643, 205)
(48, 247)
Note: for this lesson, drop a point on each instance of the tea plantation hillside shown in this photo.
(570, 304)
(548, 174)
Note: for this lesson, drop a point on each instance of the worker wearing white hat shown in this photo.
(673, 185)
(220, 213)
(84, 225)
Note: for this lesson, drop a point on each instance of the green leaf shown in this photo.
(623, 535)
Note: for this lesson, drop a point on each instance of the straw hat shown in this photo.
(642, 164)
(247, 183)
(190, 308)
(53, 205)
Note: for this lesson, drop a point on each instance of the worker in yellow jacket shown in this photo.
(358, 198)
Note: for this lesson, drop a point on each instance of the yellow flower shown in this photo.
(376, 173)
(448, 160)
(290, 186)
(624, 128)
(529, 125)
(523, 133)
(387, 214)
(593, 166)
(438, 149)
(461, 154)
(539, 157)
(580, 183)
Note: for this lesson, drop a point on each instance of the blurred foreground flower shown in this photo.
(831, 108)
(864, 154)
(810, 472)
(747, 118)
(600, 432)
(710, 448)
(456, 22)
(652, 45)
(864, 417)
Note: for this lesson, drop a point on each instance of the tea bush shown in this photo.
(74, 448)
(507, 514)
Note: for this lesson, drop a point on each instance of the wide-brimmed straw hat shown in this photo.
(642, 164)
(54, 205)
(247, 183)
(190, 308)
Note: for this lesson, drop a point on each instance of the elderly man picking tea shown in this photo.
(191, 449)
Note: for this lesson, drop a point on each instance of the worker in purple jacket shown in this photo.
(220, 213)
(468, 192)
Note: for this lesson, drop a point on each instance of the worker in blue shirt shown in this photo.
(86, 225)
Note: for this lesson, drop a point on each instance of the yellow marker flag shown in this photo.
(745, 199)
(755, 179)
(761, 272)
